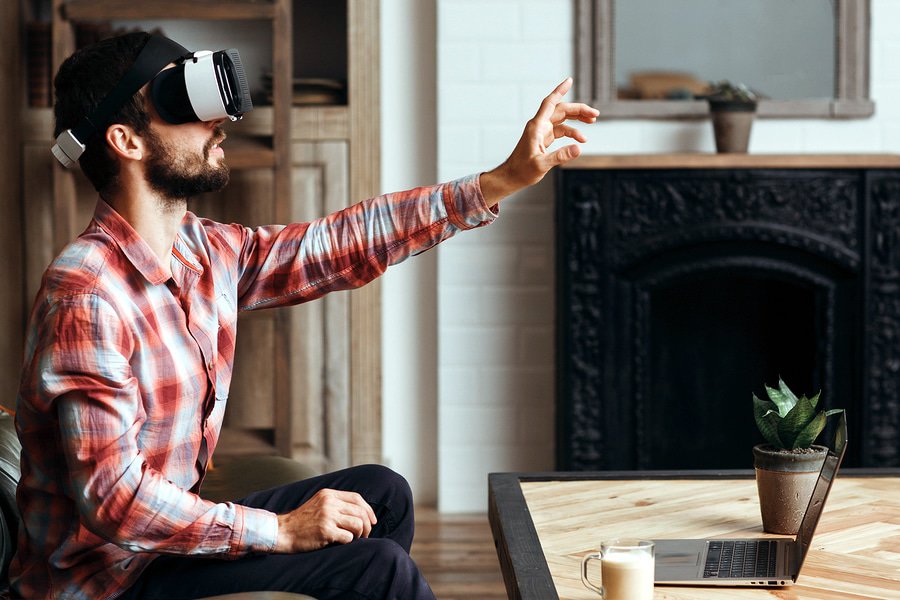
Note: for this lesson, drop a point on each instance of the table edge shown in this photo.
(526, 574)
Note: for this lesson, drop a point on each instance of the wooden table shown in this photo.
(544, 523)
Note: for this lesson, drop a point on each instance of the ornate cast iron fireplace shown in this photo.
(686, 283)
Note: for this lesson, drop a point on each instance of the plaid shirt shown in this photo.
(127, 372)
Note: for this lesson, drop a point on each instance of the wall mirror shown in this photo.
(649, 58)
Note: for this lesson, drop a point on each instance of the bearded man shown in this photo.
(129, 358)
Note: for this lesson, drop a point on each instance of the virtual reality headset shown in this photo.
(203, 86)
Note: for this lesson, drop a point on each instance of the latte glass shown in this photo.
(626, 570)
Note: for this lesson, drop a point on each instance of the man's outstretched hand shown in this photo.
(530, 160)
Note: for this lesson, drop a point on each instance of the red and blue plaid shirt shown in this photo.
(127, 372)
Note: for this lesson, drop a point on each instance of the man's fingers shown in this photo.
(357, 500)
(548, 106)
(563, 155)
(565, 131)
(566, 111)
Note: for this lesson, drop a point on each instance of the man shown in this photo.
(129, 358)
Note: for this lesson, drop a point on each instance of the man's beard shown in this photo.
(177, 175)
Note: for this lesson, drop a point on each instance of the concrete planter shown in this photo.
(785, 480)
(732, 121)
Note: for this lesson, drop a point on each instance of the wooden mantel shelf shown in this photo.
(735, 161)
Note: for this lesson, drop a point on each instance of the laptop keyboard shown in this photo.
(741, 559)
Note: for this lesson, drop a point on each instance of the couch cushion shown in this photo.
(9, 479)
(235, 477)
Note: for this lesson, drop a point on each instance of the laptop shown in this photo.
(762, 562)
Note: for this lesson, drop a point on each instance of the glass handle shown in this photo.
(584, 572)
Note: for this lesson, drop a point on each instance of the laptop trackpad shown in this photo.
(678, 560)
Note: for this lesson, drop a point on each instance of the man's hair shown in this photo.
(82, 82)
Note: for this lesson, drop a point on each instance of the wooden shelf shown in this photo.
(701, 160)
(307, 122)
(248, 153)
(222, 10)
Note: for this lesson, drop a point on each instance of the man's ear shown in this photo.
(124, 142)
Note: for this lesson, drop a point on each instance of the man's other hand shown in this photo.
(329, 517)
(530, 160)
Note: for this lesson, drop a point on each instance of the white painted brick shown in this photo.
(536, 264)
(683, 136)
(487, 306)
(617, 137)
(478, 19)
(498, 141)
(891, 139)
(843, 136)
(521, 387)
(454, 170)
(548, 20)
(885, 17)
(475, 346)
(523, 62)
(462, 62)
(469, 103)
(460, 144)
(477, 425)
(536, 423)
(473, 265)
(459, 383)
(525, 224)
(537, 345)
(887, 98)
(777, 135)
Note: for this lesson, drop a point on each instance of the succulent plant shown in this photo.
(788, 422)
(725, 91)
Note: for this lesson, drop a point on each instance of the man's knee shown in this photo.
(390, 570)
(390, 483)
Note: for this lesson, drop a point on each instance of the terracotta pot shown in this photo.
(785, 480)
(732, 122)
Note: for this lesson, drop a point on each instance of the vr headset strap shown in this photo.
(156, 54)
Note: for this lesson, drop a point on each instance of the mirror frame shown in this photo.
(596, 85)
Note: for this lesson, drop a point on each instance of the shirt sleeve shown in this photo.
(282, 265)
(85, 371)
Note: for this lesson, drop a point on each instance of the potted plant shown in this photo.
(788, 465)
(732, 107)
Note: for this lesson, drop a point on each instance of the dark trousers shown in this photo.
(374, 568)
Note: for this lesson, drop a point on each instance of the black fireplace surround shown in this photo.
(682, 291)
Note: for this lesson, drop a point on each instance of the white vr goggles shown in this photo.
(203, 86)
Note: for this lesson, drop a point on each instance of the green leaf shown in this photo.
(815, 399)
(810, 432)
(784, 402)
(767, 419)
(796, 421)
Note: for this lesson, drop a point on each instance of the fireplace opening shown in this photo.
(713, 340)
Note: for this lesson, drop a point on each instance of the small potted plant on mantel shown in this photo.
(787, 467)
(732, 107)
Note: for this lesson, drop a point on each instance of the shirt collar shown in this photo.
(133, 246)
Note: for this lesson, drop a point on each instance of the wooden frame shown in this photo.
(595, 67)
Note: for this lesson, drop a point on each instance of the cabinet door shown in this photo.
(290, 388)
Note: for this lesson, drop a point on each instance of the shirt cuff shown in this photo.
(466, 206)
(258, 530)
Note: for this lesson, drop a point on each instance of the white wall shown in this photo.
(496, 59)
(409, 290)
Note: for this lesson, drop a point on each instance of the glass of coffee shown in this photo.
(626, 570)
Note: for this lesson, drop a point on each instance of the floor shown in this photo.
(457, 556)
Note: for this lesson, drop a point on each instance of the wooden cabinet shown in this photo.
(301, 388)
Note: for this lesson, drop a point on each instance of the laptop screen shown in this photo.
(820, 493)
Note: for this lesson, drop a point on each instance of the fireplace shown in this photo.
(686, 283)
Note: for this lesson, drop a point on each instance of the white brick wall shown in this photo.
(496, 61)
